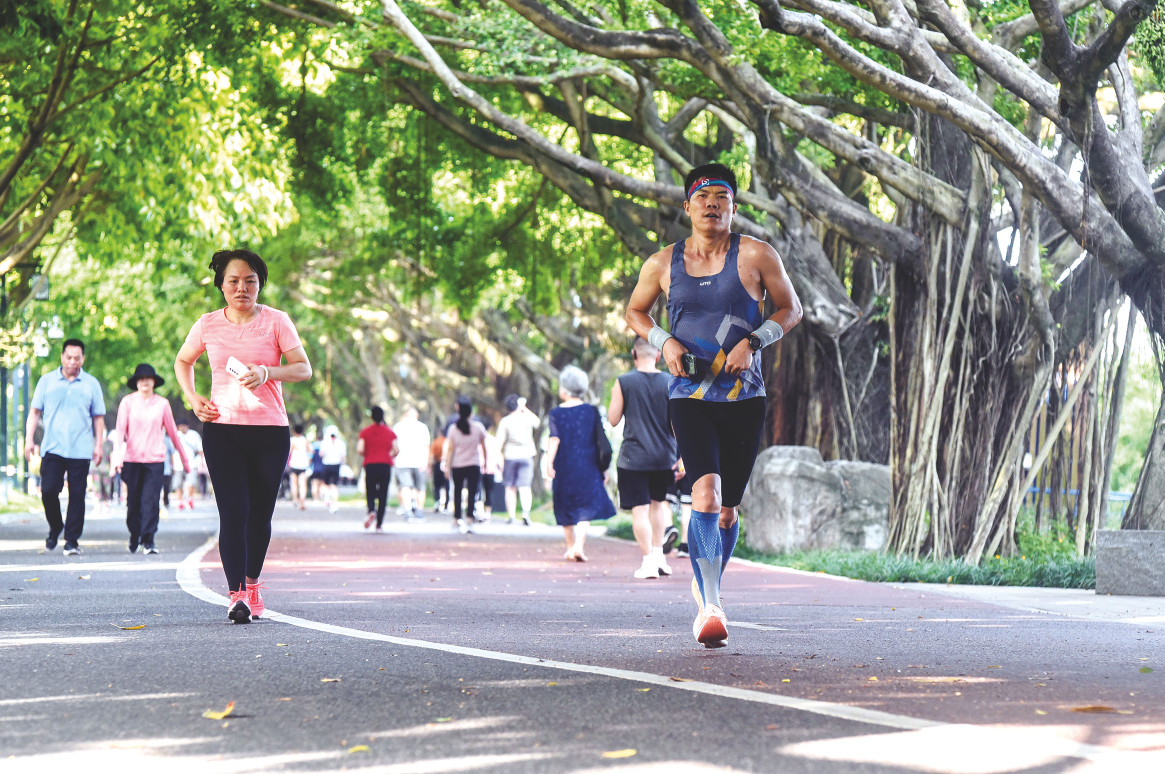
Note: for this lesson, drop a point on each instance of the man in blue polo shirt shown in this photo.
(73, 408)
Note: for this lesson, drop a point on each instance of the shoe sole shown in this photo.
(670, 538)
(713, 633)
(239, 613)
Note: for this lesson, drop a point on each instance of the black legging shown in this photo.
(144, 482)
(467, 477)
(246, 464)
(376, 478)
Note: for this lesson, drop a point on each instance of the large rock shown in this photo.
(1130, 562)
(796, 501)
(865, 504)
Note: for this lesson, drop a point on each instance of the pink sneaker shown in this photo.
(711, 625)
(238, 610)
(255, 599)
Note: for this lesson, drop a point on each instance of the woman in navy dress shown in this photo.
(572, 461)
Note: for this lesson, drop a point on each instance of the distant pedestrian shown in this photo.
(516, 432)
(492, 494)
(333, 455)
(315, 475)
(440, 479)
(186, 480)
(142, 418)
(573, 462)
(245, 422)
(73, 409)
(647, 457)
(411, 463)
(377, 445)
(464, 455)
(298, 463)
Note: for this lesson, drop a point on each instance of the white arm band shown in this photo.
(657, 336)
(768, 333)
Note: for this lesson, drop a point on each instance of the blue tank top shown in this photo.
(709, 316)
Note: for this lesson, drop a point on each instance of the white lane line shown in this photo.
(190, 580)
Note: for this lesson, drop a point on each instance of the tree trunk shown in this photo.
(1147, 508)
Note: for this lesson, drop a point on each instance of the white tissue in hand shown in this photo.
(235, 367)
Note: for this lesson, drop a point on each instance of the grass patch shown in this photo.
(19, 502)
(1064, 573)
(1049, 561)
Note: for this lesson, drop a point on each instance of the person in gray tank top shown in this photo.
(647, 457)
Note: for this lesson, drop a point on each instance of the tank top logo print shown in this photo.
(711, 315)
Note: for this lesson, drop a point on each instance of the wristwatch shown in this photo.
(754, 342)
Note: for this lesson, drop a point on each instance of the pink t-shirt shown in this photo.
(140, 423)
(466, 448)
(259, 342)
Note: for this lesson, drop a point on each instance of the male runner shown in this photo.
(715, 283)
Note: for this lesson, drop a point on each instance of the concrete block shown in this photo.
(1130, 562)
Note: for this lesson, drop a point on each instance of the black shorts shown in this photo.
(643, 487)
(331, 475)
(719, 438)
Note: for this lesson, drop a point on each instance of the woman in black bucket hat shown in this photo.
(141, 418)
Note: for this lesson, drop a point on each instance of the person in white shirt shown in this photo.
(187, 480)
(333, 453)
(516, 433)
(414, 440)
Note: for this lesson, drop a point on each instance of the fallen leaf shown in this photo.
(1041, 712)
(1146, 670)
(995, 667)
(441, 720)
(872, 679)
(771, 728)
(1124, 712)
(285, 698)
(281, 644)
(857, 619)
(84, 577)
(1095, 708)
(31, 580)
(219, 715)
(620, 753)
(643, 690)
(130, 628)
(359, 748)
(786, 680)
(552, 683)
(330, 680)
(680, 679)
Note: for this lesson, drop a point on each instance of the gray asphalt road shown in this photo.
(421, 650)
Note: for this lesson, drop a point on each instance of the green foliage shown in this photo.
(1149, 43)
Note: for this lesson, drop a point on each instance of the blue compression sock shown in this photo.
(707, 554)
(728, 544)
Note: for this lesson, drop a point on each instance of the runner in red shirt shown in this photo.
(377, 444)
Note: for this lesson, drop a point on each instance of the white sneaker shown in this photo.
(647, 570)
(664, 567)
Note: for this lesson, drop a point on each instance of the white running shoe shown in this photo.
(647, 570)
